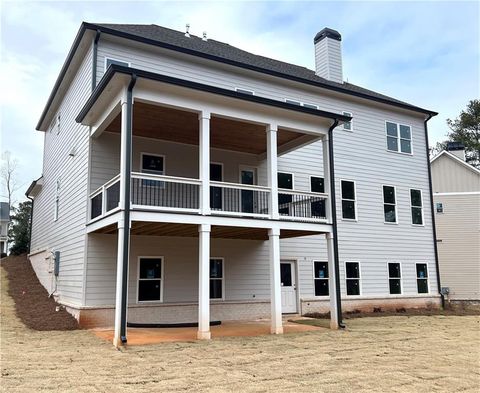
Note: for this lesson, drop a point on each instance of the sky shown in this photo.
(425, 53)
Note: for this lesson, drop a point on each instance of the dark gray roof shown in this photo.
(217, 50)
(4, 211)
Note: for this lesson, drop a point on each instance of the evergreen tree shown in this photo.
(19, 232)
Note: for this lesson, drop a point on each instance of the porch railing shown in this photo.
(308, 206)
(170, 193)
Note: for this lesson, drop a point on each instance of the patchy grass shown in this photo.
(391, 354)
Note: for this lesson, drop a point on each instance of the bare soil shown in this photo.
(395, 354)
(32, 304)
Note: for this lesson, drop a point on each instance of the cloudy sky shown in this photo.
(425, 53)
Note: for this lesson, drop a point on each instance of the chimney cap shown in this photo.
(452, 146)
(327, 33)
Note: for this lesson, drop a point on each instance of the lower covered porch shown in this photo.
(187, 273)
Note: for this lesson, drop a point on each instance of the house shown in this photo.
(4, 221)
(187, 180)
(456, 193)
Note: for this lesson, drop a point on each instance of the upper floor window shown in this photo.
(416, 204)
(348, 200)
(311, 106)
(245, 91)
(109, 61)
(318, 204)
(320, 277)
(399, 137)
(154, 165)
(285, 181)
(389, 204)
(56, 204)
(347, 126)
(293, 102)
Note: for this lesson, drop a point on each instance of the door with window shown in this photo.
(289, 287)
(247, 198)
(216, 193)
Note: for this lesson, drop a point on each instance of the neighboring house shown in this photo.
(233, 171)
(456, 187)
(4, 221)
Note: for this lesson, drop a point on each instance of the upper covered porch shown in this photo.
(201, 150)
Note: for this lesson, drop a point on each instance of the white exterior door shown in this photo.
(289, 287)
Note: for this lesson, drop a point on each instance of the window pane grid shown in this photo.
(416, 204)
(399, 137)
(348, 200)
(422, 278)
(394, 278)
(352, 278)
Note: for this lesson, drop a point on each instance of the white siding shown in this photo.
(328, 59)
(449, 175)
(67, 234)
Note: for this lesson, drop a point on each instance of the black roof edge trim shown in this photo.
(63, 71)
(339, 89)
(31, 186)
(114, 68)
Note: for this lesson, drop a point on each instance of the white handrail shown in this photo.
(248, 187)
(106, 185)
(172, 179)
(301, 193)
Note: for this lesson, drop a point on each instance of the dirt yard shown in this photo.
(396, 354)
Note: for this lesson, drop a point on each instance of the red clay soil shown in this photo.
(32, 304)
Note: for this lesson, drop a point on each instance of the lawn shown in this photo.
(395, 354)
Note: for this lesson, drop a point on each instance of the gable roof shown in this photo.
(224, 53)
(456, 159)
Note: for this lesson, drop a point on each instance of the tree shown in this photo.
(19, 232)
(466, 129)
(8, 177)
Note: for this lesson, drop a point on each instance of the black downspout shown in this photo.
(334, 222)
(94, 60)
(31, 225)
(126, 231)
(432, 207)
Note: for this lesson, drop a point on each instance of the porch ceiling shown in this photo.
(175, 125)
(189, 230)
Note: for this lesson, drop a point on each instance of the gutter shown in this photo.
(126, 231)
(334, 223)
(94, 60)
(432, 207)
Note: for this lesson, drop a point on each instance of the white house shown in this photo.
(187, 180)
(456, 193)
(4, 221)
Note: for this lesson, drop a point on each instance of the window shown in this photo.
(311, 106)
(216, 193)
(389, 204)
(416, 202)
(395, 278)
(348, 200)
(293, 102)
(318, 204)
(216, 278)
(56, 202)
(347, 126)
(439, 207)
(285, 181)
(154, 165)
(58, 124)
(109, 62)
(320, 278)
(422, 278)
(352, 274)
(150, 274)
(244, 91)
(399, 137)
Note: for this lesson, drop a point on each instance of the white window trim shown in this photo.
(162, 278)
(395, 204)
(314, 278)
(56, 202)
(244, 91)
(395, 278)
(345, 113)
(428, 278)
(59, 119)
(359, 279)
(308, 105)
(318, 177)
(293, 102)
(146, 153)
(411, 207)
(399, 151)
(293, 180)
(223, 279)
(354, 200)
(114, 59)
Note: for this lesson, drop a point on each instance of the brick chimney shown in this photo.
(328, 55)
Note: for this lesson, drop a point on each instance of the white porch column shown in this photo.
(204, 282)
(272, 169)
(326, 178)
(332, 282)
(275, 287)
(204, 161)
(117, 342)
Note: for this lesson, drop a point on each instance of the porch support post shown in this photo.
(204, 161)
(275, 287)
(332, 287)
(326, 177)
(272, 170)
(123, 247)
(204, 282)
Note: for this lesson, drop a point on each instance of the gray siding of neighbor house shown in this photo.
(67, 234)
(360, 155)
(458, 227)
